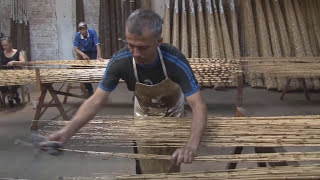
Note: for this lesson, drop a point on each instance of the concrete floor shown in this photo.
(17, 161)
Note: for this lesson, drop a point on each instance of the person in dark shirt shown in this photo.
(87, 39)
(10, 58)
(161, 79)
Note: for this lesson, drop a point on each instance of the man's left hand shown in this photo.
(183, 155)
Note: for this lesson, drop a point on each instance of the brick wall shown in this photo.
(43, 29)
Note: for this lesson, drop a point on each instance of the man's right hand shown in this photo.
(84, 56)
(61, 136)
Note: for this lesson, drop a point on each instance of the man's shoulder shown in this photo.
(123, 53)
(171, 52)
(90, 30)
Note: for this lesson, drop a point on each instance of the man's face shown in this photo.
(83, 31)
(144, 47)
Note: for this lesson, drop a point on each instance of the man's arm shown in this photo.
(199, 122)
(85, 113)
(78, 51)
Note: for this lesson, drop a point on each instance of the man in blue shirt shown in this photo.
(87, 39)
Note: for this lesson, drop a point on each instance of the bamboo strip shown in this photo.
(225, 32)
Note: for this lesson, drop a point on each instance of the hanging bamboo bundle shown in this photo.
(213, 44)
(176, 25)
(184, 30)
(218, 29)
(235, 33)
(264, 43)
(166, 31)
(225, 32)
(203, 46)
(220, 131)
(193, 32)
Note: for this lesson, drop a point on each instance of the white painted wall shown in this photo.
(66, 27)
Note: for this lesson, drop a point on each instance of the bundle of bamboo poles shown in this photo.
(208, 72)
(220, 132)
(247, 28)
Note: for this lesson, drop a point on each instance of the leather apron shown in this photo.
(164, 99)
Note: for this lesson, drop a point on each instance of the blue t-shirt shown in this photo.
(178, 69)
(89, 44)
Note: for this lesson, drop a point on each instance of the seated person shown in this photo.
(10, 58)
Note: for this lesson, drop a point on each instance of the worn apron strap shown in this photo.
(162, 64)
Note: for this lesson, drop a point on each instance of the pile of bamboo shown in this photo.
(220, 132)
(208, 72)
(247, 28)
(216, 72)
(79, 63)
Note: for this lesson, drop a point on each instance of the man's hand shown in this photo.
(84, 56)
(11, 63)
(61, 136)
(183, 155)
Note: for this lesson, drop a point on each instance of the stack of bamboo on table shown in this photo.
(208, 72)
(17, 77)
(220, 132)
(73, 63)
(216, 72)
(246, 28)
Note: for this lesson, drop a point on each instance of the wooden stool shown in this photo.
(70, 86)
